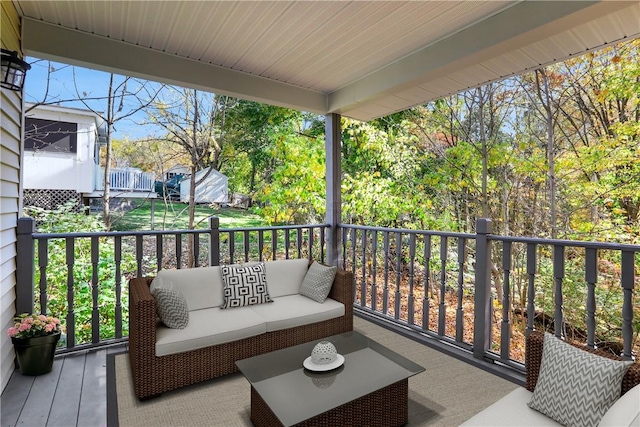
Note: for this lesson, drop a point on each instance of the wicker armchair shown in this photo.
(153, 375)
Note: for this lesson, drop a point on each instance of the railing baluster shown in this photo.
(274, 243)
(627, 281)
(412, 272)
(374, 269)
(232, 246)
(43, 260)
(558, 276)
(178, 251)
(310, 231)
(71, 316)
(385, 293)
(214, 241)
(260, 244)
(287, 243)
(462, 247)
(353, 259)
(363, 283)
(398, 297)
(591, 277)
(344, 248)
(118, 273)
(196, 250)
(322, 243)
(426, 301)
(159, 251)
(442, 309)
(246, 245)
(139, 253)
(299, 241)
(505, 326)
(95, 313)
(531, 290)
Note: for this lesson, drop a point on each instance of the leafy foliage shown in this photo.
(65, 220)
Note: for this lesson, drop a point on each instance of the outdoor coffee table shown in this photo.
(371, 388)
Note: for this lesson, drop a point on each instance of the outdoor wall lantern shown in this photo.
(14, 70)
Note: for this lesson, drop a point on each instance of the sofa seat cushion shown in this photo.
(201, 287)
(511, 410)
(208, 327)
(285, 276)
(296, 310)
(625, 412)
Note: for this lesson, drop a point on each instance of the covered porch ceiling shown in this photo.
(362, 59)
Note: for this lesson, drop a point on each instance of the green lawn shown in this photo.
(175, 216)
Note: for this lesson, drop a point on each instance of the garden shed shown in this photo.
(211, 187)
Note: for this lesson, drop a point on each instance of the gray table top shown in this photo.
(295, 394)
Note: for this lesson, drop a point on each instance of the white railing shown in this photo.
(127, 179)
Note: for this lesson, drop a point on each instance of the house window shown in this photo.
(50, 135)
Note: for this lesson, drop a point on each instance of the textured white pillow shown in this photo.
(576, 387)
(171, 307)
(318, 281)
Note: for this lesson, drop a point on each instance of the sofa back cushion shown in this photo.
(285, 276)
(201, 286)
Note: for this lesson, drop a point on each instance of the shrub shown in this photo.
(65, 220)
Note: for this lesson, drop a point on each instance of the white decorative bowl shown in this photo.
(324, 353)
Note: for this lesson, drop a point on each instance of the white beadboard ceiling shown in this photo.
(362, 59)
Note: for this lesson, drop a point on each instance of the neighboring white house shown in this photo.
(211, 187)
(62, 159)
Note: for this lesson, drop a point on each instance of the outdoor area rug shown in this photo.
(448, 393)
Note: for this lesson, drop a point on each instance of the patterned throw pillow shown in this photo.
(171, 307)
(318, 281)
(576, 387)
(244, 285)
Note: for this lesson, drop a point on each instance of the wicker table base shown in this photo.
(385, 407)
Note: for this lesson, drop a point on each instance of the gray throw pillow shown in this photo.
(318, 281)
(171, 307)
(244, 285)
(576, 387)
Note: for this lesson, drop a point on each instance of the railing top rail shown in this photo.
(168, 232)
(408, 231)
(572, 243)
(278, 227)
(115, 233)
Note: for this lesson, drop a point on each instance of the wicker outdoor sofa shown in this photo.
(512, 409)
(154, 374)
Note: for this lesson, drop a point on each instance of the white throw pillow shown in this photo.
(318, 281)
(244, 285)
(575, 387)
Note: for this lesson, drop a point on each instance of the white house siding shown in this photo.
(10, 129)
(44, 170)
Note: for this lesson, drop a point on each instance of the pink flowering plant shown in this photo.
(33, 325)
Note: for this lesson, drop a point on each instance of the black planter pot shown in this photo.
(35, 354)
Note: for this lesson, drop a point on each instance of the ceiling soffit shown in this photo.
(361, 59)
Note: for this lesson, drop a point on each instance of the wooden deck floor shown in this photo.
(73, 394)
